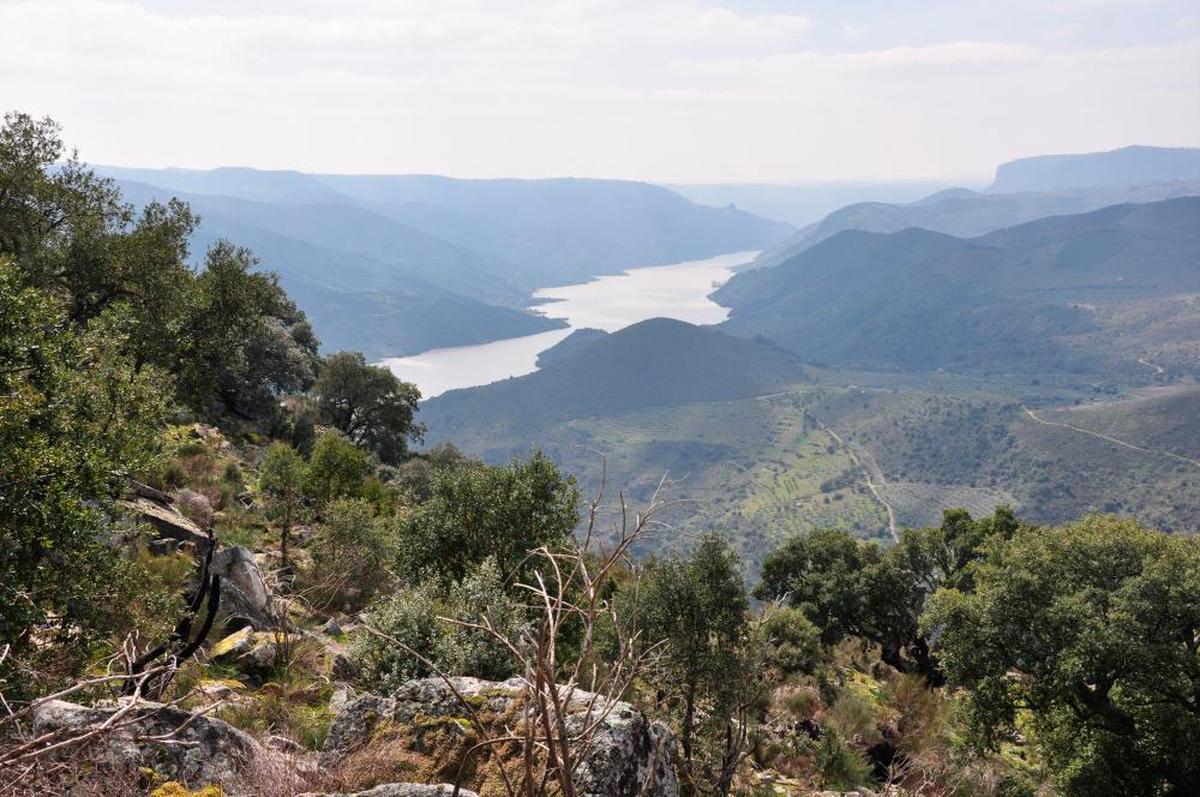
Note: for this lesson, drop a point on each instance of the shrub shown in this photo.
(793, 642)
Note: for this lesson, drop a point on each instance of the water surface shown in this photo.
(610, 303)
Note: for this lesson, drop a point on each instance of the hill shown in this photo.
(365, 281)
(1124, 166)
(395, 265)
(967, 214)
(1047, 296)
(653, 363)
(547, 232)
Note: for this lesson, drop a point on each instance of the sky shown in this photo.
(684, 91)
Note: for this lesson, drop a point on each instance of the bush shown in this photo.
(336, 469)
(793, 642)
(838, 765)
(349, 551)
(408, 616)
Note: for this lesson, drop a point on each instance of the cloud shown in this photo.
(669, 90)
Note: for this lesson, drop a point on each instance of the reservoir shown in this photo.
(610, 303)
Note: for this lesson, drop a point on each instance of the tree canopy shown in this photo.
(1087, 638)
(368, 404)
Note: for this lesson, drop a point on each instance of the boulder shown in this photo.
(177, 745)
(195, 505)
(400, 790)
(166, 522)
(629, 756)
(236, 564)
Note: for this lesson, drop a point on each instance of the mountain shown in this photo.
(966, 214)
(804, 203)
(1046, 296)
(1125, 166)
(550, 232)
(395, 265)
(569, 345)
(652, 363)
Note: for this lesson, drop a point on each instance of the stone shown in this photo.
(196, 748)
(194, 505)
(237, 564)
(331, 628)
(400, 790)
(629, 756)
(166, 522)
(233, 645)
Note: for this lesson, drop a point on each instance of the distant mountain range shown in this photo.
(393, 265)
(966, 214)
(1034, 297)
(1125, 166)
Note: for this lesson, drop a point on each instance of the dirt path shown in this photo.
(1110, 439)
(869, 470)
(1158, 369)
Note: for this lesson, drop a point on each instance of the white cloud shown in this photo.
(671, 90)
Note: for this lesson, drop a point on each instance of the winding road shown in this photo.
(1111, 439)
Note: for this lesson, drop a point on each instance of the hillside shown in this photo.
(967, 214)
(1124, 166)
(395, 265)
(1039, 297)
(652, 363)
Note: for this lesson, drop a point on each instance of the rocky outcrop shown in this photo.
(178, 745)
(166, 522)
(629, 755)
(245, 595)
(400, 790)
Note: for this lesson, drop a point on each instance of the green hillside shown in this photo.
(1048, 296)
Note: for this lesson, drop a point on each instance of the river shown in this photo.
(610, 303)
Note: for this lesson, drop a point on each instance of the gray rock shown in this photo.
(628, 757)
(199, 749)
(331, 627)
(236, 564)
(166, 522)
(400, 790)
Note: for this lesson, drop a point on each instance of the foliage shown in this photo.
(699, 607)
(793, 642)
(281, 478)
(368, 404)
(850, 588)
(350, 551)
(1085, 636)
(232, 338)
(336, 469)
(74, 417)
(477, 511)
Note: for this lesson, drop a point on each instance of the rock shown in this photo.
(236, 564)
(400, 790)
(194, 505)
(341, 696)
(233, 645)
(163, 547)
(262, 656)
(167, 522)
(629, 756)
(197, 749)
(331, 628)
(283, 744)
(342, 667)
(146, 491)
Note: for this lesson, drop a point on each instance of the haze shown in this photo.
(674, 91)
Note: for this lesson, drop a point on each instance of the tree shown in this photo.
(1085, 638)
(281, 478)
(336, 469)
(351, 552)
(75, 416)
(851, 588)
(368, 404)
(699, 606)
(229, 335)
(476, 511)
(246, 344)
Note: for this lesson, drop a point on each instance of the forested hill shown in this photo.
(653, 363)
(1046, 295)
(967, 214)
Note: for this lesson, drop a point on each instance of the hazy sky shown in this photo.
(668, 90)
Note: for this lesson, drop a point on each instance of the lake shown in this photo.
(610, 303)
